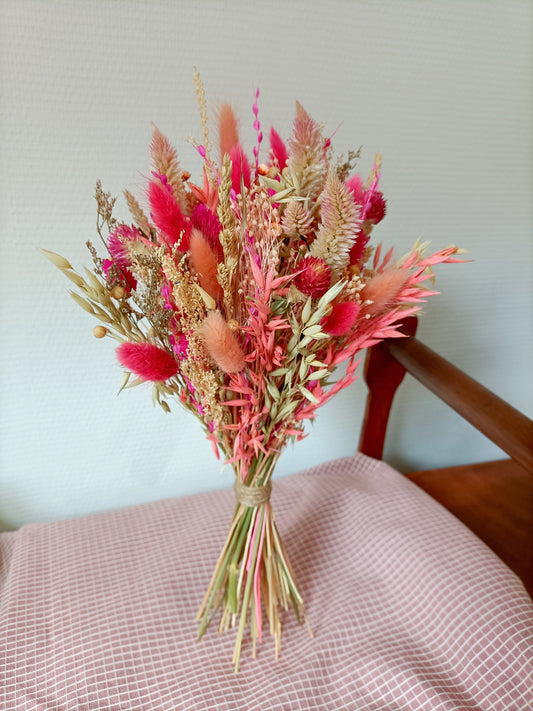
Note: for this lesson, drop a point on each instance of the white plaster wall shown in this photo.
(442, 89)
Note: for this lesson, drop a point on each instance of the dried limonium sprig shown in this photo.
(239, 297)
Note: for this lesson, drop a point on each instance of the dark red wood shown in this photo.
(383, 375)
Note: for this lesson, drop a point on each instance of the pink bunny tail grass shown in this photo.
(147, 361)
(383, 288)
(278, 149)
(240, 169)
(205, 263)
(209, 225)
(222, 343)
(167, 216)
(228, 134)
(341, 319)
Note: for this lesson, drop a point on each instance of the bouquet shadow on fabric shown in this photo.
(239, 298)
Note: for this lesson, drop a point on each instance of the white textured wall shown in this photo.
(442, 89)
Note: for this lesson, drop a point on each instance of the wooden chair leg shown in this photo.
(383, 375)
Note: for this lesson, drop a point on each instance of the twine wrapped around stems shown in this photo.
(252, 495)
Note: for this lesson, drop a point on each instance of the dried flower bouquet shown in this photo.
(239, 298)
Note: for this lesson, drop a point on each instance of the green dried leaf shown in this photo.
(125, 381)
(279, 371)
(85, 305)
(318, 374)
(56, 259)
(274, 392)
(287, 408)
(282, 195)
(306, 340)
(306, 313)
(331, 294)
(102, 315)
(317, 363)
(208, 300)
(74, 277)
(303, 369)
(312, 330)
(134, 383)
(270, 183)
(95, 282)
(308, 394)
(293, 342)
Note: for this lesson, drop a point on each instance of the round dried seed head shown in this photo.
(99, 331)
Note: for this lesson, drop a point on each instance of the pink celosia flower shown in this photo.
(341, 319)
(146, 360)
(371, 200)
(315, 278)
(376, 208)
(373, 208)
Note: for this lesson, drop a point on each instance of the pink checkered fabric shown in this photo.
(409, 609)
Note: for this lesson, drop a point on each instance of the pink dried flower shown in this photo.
(358, 248)
(222, 343)
(205, 263)
(355, 186)
(376, 208)
(240, 168)
(341, 319)
(371, 200)
(278, 149)
(146, 360)
(315, 278)
(383, 288)
(209, 225)
(116, 244)
(228, 130)
(166, 214)
(115, 274)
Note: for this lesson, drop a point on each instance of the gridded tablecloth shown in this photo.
(409, 609)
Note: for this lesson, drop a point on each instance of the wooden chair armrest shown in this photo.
(385, 367)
